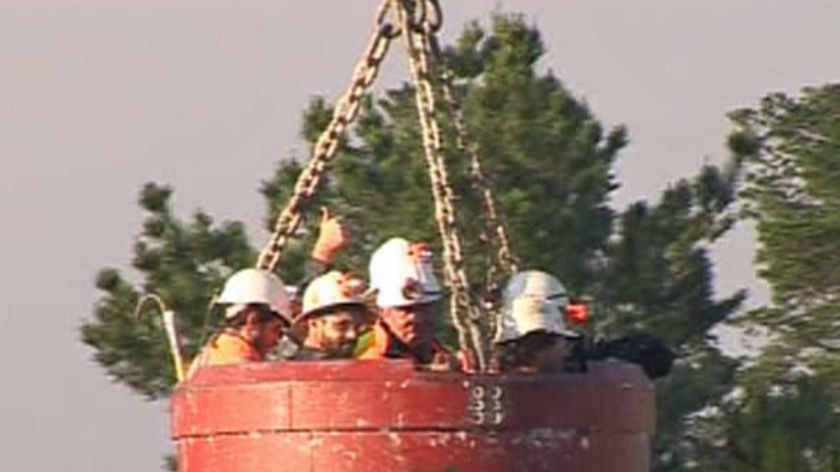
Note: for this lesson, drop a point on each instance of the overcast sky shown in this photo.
(99, 96)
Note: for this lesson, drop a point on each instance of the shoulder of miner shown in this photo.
(225, 347)
(380, 343)
(373, 344)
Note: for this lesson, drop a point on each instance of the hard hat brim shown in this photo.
(327, 309)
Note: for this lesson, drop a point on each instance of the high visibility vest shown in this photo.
(373, 344)
(378, 343)
(228, 347)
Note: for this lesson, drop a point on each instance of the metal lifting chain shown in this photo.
(495, 231)
(465, 314)
(344, 113)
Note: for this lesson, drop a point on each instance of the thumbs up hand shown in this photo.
(332, 237)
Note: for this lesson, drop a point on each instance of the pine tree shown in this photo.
(659, 280)
(795, 427)
(551, 164)
(182, 262)
(791, 150)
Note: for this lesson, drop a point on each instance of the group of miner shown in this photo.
(393, 315)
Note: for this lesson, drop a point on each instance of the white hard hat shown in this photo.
(532, 301)
(255, 286)
(330, 290)
(402, 274)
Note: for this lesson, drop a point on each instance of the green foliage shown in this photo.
(690, 425)
(790, 147)
(793, 193)
(658, 278)
(184, 263)
(551, 163)
(659, 264)
(794, 427)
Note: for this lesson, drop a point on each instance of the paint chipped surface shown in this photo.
(398, 421)
(584, 443)
(394, 439)
(545, 438)
(361, 423)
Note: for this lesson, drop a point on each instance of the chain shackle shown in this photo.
(432, 16)
(388, 28)
(425, 16)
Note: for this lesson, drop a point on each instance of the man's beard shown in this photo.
(343, 351)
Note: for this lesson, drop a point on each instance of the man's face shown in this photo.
(335, 332)
(413, 325)
(551, 357)
(267, 334)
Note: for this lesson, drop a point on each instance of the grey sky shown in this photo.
(99, 96)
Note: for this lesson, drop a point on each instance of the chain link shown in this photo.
(428, 17)
(346, 110)
(494, 225)
(493, 232)
(419, 21)
(465, 314)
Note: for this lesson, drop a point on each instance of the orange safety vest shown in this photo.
(378, 343)
(228, 347)
(373, 344)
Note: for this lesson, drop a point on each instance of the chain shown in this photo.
(494, 223)
(493, 230)
(420, 20)
(465, 315)
(346, 110)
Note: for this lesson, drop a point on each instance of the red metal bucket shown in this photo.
(384, 416)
